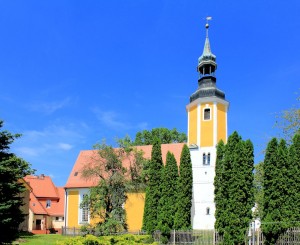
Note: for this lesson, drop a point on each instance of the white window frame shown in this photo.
(82, 211)
(204, 109)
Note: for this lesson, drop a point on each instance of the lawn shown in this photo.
(40, 239)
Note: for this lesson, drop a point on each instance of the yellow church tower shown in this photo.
(207, 125)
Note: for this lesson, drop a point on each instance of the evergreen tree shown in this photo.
(293, 182)
(184, 192)
(234, 199)
(168, 198)
(153, 190)
(275, 203)
(220, 199)
(12, 169)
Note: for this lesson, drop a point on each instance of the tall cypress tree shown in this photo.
(185, 192)
(275, 195)
(234, 188)
(294, 181)
(168, 195)
(220, 200)
(153, 190)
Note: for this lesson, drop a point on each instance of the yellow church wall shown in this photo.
(73, 204)
(221, 122)
(207, 126)
(192, 137)
(134, 208)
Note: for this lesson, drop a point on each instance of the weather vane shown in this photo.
(208, 18)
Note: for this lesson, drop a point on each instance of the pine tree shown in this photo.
(185, 192)
(234, 188)
(12, 169)
(153, 190)
(275, 211)
(220, 200)
(168, 196)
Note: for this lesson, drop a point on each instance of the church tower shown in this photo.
(207, 125)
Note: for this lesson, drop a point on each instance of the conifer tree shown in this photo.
(153, 190)
(184, 192)
(220, 199)
(294, 180)
(12, 170)
(168, 198)
(235, 197)
(275, 211)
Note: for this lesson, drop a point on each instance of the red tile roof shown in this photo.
(43, 189)
(35, 206)
(90, 156)
(42, 186)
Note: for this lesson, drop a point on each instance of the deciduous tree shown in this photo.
(107, 198)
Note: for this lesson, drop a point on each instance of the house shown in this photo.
(77, 187)
(24, 226)
(46, 205)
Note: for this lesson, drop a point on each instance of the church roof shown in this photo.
(75, 179)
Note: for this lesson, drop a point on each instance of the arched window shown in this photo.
(206, 114)
(204, 159)
(207, 211)
(208, 159)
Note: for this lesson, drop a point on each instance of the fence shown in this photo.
(205, 237)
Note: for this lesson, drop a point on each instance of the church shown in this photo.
(207, 125)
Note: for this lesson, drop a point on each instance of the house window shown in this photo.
(206, 114)
(204, 159)
(48, 204)
(207, 211)
(208, 159)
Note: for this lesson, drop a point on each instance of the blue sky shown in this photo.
(75, 72)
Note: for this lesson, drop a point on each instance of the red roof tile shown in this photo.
(35, 206)
(42, 186)
(90, 156)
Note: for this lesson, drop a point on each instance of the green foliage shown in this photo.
(258, 190)
(293, 181)
(234, 188)
(114, 182)
(184, 192)
(167, 207)
(220, 198)
(127, 239)
(281, 187)
(153, 190)
(12, 169)
(165, 136)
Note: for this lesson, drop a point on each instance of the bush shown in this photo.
(127, 239)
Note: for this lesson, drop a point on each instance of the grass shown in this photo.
(30, 239)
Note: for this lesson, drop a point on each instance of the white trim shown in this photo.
(207, 100)
(66, 208)
(188, 127)
(198, 136)
(215, 124)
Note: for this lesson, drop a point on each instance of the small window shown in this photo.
(208, 159)
(207, 114)
(204, 159)
(48, 204)
(56, 218)
(76, 173)
(207, 211)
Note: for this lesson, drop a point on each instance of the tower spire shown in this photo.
(206, 68)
